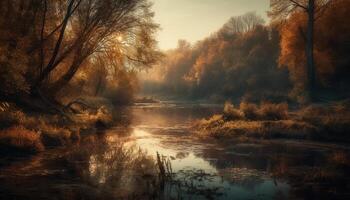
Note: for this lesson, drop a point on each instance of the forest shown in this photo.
(92, 108)
(249, 60)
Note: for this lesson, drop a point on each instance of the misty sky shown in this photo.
(195, 19)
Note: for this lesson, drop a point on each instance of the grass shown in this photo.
(333, 121)
(59, 137)
(268, 120)
(31, 132)
(231, 113)
(11, 118)
(218, 128)
(102, 118)
(250, 111)
(270, 111)
(20, 140)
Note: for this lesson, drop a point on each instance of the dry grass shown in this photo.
(231, 113)
(101, 117)
(19, 139)
(217, 127)
(270, 111)
(250, 111)
(333, 121)
(50, 130)
(32, 132)
(322, 122)
(11, 118)
(53, 136)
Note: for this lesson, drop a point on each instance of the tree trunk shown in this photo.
(310, 50)
(98, 86)
(49, 67)
(64, 80)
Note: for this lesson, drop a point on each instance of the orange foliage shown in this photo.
(331, 50)
(22, 139)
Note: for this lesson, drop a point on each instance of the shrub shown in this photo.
(231, 113)
(20, 140)
(333, 121)
(58, 137)
(11, 118)
(249, 110)
(270, 111)
(102, 118)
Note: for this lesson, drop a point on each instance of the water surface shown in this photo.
(119, 163)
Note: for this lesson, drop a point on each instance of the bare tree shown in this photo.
(243, 23)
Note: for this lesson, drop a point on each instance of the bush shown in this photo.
(332, 120)
(102, 118)
(52, 137)
(216, 127)
(270, 111)
(250, 110)
(231, 113)
(20, 140)
(10, 118)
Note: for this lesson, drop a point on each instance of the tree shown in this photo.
(45, 43)
(331, 51)
(243, 23)
(227, 65)
(281, 9)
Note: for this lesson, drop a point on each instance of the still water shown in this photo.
(120, 164)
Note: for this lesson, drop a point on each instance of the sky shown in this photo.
(194, 20)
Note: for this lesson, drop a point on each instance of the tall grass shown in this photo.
(270, 111)
(268, 120)
(250, 111)
(333, 121)
(20, 140)
(231, 113)
(11, 118)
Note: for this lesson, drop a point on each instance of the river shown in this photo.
(119, 163)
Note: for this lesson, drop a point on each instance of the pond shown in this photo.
(120, 163)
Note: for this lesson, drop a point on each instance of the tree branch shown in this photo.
(299, 5)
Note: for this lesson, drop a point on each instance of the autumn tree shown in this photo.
(282, 9)
(331, 47)
(230, 64)
(45, 43)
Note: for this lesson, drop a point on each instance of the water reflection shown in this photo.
(202, 177)
(121, 164)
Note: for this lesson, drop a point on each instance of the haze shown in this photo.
(193, 20)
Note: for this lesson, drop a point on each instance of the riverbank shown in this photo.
(122, 163)
(24, 133)
(270, 121)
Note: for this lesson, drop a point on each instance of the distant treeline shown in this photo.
(248, 60)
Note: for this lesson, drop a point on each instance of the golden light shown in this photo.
(120, 38)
